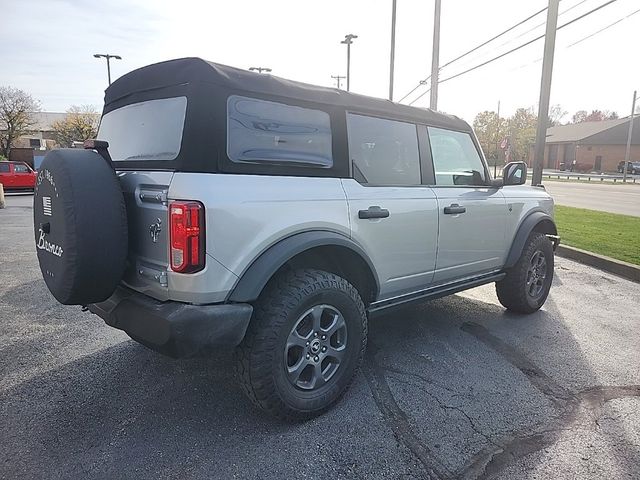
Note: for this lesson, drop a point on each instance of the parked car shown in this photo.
(17, 176)
(219, 207)
(632, 167)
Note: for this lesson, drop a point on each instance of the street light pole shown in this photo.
(337, 78)
(435, 58)
(108, 57)
(627, 153)
(260, 69)
(393, 48)
(545, 91)
(348, 40)
(495, 162)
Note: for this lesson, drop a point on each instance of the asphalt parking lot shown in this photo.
(456, 388)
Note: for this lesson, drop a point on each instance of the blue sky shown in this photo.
(47, 47)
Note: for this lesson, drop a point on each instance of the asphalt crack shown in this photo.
(489, 462)
(397, 420)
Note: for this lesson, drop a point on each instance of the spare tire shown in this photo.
(80, 225)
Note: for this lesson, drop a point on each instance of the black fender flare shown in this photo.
(255, 277)
(524, 230)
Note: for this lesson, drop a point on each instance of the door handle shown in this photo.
(454, 209)
(373, 212)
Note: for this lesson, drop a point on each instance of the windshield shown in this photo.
(150, 130)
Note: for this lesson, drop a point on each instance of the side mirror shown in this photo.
(514, 173)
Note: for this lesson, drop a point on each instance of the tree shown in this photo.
(595, 116)
(556, 114)
(490, 130)
(79, 124)
(579, 117)
(16, 116)
(522, 129)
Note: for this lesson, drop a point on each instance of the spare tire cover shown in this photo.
(80, 224)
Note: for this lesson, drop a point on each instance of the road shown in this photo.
(614, 198)
(454, 388)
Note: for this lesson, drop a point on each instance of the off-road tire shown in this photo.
(260, 357)
(512, 289)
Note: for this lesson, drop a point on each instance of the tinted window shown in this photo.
(455, 158)
(268, 132)
(17, 168)
(383, 152)
(150, 130)
(4, 167)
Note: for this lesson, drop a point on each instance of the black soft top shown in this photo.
(189, 70)
(208, 87)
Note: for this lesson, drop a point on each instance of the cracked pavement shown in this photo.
(454, 388)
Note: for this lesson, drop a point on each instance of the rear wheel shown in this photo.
(304, 345)
(527, 284)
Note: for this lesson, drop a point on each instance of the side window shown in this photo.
(259, 131)
(383, 152)
(17, 168)
(4, 167)
(455, 158)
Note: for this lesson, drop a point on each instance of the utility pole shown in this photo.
(348, 40)
(337, 78)
(260, 69)
(435, 58)
(545, 91)
(495, 163)
(393, 48)
(627, 154)
(108, 57)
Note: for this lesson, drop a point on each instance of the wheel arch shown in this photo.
(538, 221)
(323, 250)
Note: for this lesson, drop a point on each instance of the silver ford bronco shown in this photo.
(220, 207)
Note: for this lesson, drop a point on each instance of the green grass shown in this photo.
(610, 234)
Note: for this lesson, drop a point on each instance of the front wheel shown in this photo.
(527, 284)
(304, 344)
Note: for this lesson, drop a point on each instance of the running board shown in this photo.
(381, 306)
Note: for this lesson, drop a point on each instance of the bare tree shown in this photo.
(80, 124)
(16, 116)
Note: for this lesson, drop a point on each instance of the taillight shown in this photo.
(186, 220)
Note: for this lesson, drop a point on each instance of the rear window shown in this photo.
(150, 130)
(275, 133)
(4, 167)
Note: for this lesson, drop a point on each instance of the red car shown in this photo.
(17, 176)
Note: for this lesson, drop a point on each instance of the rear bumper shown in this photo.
(173, 328)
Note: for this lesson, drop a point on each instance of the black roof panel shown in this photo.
(194, 70)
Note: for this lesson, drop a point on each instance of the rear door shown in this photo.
(6, 177)
(22, 176)
(151, 132)
(393, 216)
(145, 195)
(472, 214)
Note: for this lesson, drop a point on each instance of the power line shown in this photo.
(539, 25)
(526, 43)
(495, 37)
(419, 97)
(603, 29)
(521, 22)
(581, 40)
(512, 40)
(423, 82)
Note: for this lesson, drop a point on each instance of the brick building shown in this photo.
(596, 146)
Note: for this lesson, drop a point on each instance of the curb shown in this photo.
(609, 265)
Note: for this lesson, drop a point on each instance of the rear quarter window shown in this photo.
(150, 130)
(264, 132)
